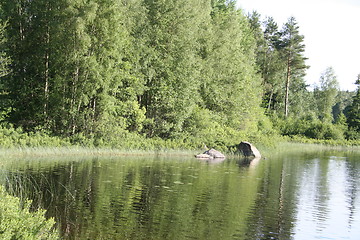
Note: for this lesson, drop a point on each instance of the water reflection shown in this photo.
(283, 197)
(212, 160)
(326, 204)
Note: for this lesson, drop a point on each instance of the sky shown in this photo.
(331, 29)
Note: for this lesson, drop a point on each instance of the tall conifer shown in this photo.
(292, 48)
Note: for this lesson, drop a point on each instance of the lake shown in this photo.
(292, 195)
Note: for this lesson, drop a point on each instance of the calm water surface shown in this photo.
(313, 195)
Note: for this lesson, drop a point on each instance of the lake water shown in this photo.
(308, 195)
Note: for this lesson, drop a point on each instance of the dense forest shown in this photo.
(132, 73)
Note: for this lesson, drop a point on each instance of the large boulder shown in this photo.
(212, 153)
(249, 150)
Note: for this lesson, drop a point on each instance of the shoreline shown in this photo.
(78, 151)
(83, 151)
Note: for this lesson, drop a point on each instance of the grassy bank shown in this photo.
(78, 151)
(17, 143)
(354, 144)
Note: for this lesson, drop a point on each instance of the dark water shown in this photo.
(285, 196)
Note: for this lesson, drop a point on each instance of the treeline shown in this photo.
(324, 112)
(103, 72)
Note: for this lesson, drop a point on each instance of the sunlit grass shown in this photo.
(293, 147)
(265, 145)
(85, 151)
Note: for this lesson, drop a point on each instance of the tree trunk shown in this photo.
(270, 101)
(21, 29)
(46, 87)
(73, 100)
(287, 86)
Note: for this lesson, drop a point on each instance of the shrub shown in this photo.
(310, 128)
(352, 134)
(16, 137)
(327, 131)
(18, 222)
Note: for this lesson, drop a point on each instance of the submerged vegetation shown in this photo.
(153, 75)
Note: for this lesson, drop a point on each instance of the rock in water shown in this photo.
(212, 153)
(249, 150)
(203, 155)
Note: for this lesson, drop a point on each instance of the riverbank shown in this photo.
(17, 143)
(325, 142)
(81, 151)
(77, 151)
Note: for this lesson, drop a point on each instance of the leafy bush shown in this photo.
(16, 137)
(18, 222)
(310, 128)
(352, 134)
(327, 131)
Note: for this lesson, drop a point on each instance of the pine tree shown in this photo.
(292, 48)
(268, 59)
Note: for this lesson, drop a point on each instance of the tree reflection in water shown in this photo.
(281, 197)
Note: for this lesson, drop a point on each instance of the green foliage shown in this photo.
(18, 222)
(89, 70)
(320, 130)
(281, 64)
(4, 59)
(329, 143)
(4, 70)
(310, 128)
(326, 94)
(352, 134)
(68, 63)
(152, 74)
(170, 63)
(231, 88)
(291, 49)
(16, 137)
(354, 113)
(279, 60)
(268, 60)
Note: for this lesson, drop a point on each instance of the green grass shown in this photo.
(75, 151)
(352, 144)
(15, 143)
(287, 143)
